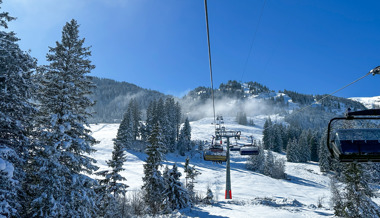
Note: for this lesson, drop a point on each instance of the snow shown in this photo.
(6, 167)
(2, 164)
(252, 193)
(368, 102)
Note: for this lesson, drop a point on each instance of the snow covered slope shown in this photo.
(368, 102)
(253, 194)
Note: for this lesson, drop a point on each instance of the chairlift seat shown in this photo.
(216, 148)
(215, 156)
(357, 145)
(235, 148)
(249, 150)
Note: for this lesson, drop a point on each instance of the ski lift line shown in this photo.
(347, 85)
(209, 58)
(374, 71)
(253, 40)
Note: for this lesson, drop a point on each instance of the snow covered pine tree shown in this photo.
(16, 110)
(111, 187)
(61, 187)
(153, 181)
(176, 196)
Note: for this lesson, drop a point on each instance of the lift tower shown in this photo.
(220, 133)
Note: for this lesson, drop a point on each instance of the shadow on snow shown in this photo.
(304, 182)
(197, 212)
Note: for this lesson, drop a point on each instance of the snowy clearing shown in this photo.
(253, 194)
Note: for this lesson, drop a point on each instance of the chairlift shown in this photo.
(208, 155)
(355, 145)
(215, 152)
(249, 150)
(216, 148)
(216, 145)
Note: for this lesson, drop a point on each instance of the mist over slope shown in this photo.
(255, 99)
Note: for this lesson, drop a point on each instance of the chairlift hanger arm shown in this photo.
(375, 70)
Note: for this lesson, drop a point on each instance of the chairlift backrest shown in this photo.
(358, 134)
(249, 150)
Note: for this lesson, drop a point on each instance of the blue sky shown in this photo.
(312, 47)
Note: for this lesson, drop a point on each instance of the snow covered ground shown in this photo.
(368, 102)
(253, 194)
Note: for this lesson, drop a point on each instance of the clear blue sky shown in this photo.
(308, 46)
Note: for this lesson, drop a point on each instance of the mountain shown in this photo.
(253, 98)
(112, 98)
(233, 97)
(304, 186)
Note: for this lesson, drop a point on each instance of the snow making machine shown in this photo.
(348, 144)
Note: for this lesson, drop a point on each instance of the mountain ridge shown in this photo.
(113, 96)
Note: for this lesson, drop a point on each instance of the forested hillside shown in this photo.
(112, 98)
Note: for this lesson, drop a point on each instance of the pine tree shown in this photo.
(111, 186)
(336, 196)
(324, 153)
(277, 138)
(269, 164)
(187, 170)
(278, 171)
(209, 199)
(257, 162)
(284, 136)
(159, 112)
(153, 181)
(241, 118)
(169, 124)
(168, 114)
(176, 196)
(16, 112)
(356, 197)
(150, 119)
(267, 142)
(191, 174)
(313, 148)
(125, 132)
(116, 164)
(184, 142)
(178, 115)
(65, 140)
(304, 148)
(292, 152)
(136, 117)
